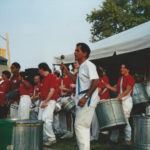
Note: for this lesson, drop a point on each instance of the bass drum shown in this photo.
(139, 94)
(110, 114)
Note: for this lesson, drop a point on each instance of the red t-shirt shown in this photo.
(4, 89)
(15, 84)
(37, 89)
(105, 91)
(25, 91)
(127, 81)
(49, 82)
(67, 81)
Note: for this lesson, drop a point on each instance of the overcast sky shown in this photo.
(41, 29)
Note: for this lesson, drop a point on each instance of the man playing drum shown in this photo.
(48, 102)
(86, 95)
(124, 88)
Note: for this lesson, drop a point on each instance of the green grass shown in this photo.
(70, 144)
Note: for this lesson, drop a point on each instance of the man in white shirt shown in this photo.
(87, 81)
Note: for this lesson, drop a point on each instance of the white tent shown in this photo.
(131, 40)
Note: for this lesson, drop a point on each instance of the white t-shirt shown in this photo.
(87, 72)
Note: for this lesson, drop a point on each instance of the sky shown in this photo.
(41, 29)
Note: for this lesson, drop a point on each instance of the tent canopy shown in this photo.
(134, 39)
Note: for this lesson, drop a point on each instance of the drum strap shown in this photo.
(84, 91)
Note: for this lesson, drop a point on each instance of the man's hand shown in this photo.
(44, 104)
(82, 102)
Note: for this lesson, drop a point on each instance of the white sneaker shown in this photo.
(68, 135)
(49, 142)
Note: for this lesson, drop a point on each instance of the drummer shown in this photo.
(102, 90)
(14, 85)
(48, 102)
(65, 93)
(86, 95)
(26, 91)
(4, 89)
(124, 88)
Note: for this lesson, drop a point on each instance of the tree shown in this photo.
(116, 16)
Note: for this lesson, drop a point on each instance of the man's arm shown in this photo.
(128, 89)
(92, 88)
(73, 77)
(51, 93)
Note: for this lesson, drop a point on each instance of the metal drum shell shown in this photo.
(141, 132)
(69, 105)
(27, 135)
(148, 88)
(110, 114)
(139, 94)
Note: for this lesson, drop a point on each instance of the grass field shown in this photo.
(71, 144)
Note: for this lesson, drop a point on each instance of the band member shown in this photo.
(26, 91)
(66, 92)
(48, 102)
(124, 88)
(36, 96)
(102, 90)
(14, 85)
(4, 89)
(86, 95)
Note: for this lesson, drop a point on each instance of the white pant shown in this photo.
(46, 114)
(94, 128)
(24, 107)
(14, 110)
(82, 126)
(127, 105)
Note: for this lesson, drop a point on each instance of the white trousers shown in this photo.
(127, 107)
(95, 128)
(24, 107)
(46, 114)
(14, 110)
(82, 126)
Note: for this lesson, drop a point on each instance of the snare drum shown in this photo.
(110, 114)
(69, 105)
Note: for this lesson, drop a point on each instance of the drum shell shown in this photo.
(27, 135)
(68, 106)
(141, 130)
(110, 114)
(148, 88)
(139, 94)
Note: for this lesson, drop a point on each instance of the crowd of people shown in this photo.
(87, 85)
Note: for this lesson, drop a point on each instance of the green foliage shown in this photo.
(116, 16)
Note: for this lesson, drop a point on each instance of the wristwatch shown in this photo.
(86, 96)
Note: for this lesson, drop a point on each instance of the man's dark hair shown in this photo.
(7, 74)
(85, 48)
(57, 73)
(44, 66)
(17, 65)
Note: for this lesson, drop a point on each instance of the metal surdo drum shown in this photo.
(148, 88)
(139, 94)
(110, 114)
(25, 134)
(141, 132)
(69, 105)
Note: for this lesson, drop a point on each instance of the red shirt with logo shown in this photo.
(127, 81)
(105, 91)
(25, 91)
(4, 89)
(49, 82)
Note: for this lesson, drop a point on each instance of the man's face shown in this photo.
(124, 70)
(4, 77)
(14, 69)
(36, 79)
(79, 54)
